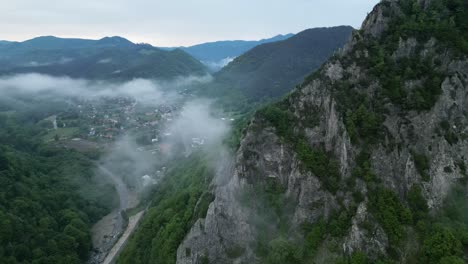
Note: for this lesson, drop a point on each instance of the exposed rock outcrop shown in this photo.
(229, 232)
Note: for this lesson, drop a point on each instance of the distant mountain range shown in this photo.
(218, 54)
(107, 58)
(271, 70)
(263, 68)
(4, 42)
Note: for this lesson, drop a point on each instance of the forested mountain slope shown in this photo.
(44, 215)
(217, 54)
(107, 58)
(271, 70)
(365, 162)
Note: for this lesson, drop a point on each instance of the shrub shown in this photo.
(314, 236)
(441, 243)
(359, 258)
(422, 165)
(417, 203)
(363, 123)
(363, 168)
(390, 213)
(281, 119)
(282, 251)
(319, 163)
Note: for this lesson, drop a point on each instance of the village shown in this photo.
(103, 120)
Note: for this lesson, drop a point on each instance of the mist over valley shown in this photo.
(168, 142)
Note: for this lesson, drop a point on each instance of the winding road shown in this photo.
(106, 232)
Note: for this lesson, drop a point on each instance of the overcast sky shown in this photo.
(174, 22)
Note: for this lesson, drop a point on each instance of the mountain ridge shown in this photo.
(270, 70)
(363, 163)
(107, 58)
(218, 53)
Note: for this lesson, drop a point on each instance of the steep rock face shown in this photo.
(405, 145)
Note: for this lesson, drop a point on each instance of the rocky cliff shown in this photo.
(358, 161)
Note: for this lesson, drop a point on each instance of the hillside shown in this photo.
(365, 162)
(4, 42)
(45, 216)
(271, 70)
(217, 54)
(107, 58)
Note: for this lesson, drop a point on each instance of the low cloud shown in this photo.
(191, 125)
(143, 90)
(218, 65)
(104, 61)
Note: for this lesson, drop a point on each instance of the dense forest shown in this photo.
(110, 58)
(177, 202)
(271, 70)
(43, 217)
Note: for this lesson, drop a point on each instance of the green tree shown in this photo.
(441, 243)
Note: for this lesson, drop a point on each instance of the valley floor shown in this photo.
(106, 233)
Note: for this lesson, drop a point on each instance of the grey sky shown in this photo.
(174, 22)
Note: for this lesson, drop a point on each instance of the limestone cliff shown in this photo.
(383, 119)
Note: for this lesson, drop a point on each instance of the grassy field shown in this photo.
(63, 132)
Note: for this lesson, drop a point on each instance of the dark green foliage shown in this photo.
(417, 203)
(359, 258)
(363, 168)
(319, 163)
(337, 226)
(394, 73)
(443, 236)
(425, 96)
(281, 119)
(422, 165)
(363, 123)
(314, 236)
(282, 251)
(102, 59)
(271, 70)
(446, 20)
(362, 115)
(390, 213)
(451, 260)
(455, 209)
(172, 213)
(441, 243)
(273, 191)
(340, 222)
(460, 164)
(43, 219)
